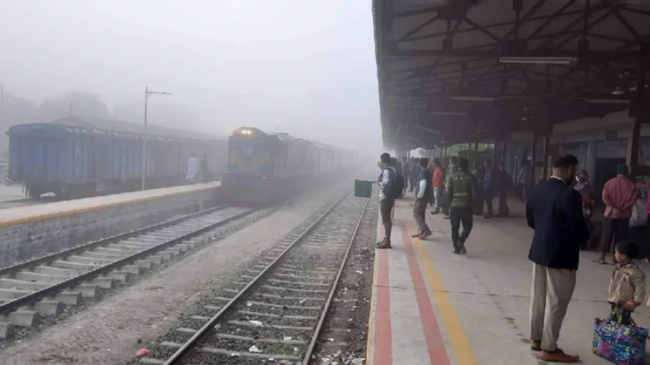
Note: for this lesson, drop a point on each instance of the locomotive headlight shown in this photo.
(247, 132)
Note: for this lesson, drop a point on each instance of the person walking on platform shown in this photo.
(387, 179)
(461, 189)
(192, 168)
(554, 212)
(406, 171)
(619, 196)
(423, 193)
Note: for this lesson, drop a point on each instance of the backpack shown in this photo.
(395, 185)
(397, 189)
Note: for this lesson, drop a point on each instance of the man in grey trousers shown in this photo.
(554, 211)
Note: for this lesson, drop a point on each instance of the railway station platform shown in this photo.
(431, 307)
(34, 231)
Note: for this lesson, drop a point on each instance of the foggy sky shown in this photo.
(305, 67)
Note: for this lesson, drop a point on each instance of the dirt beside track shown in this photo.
(111, 331)
(343, 340)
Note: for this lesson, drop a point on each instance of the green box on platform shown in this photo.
(363, 188)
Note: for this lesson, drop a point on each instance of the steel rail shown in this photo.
(190, 344)
(90, 245)
(56, 288)
(312, 345)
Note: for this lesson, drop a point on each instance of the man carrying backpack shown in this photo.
(387, 195)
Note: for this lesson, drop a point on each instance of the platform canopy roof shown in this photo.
(465, 70)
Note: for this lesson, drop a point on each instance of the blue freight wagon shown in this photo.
(79, 157)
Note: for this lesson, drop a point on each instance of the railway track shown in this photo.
(275, 310)
(43, 287)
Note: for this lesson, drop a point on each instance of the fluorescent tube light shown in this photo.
(473, 98)
(539, 60)
(448, 113)
(607, 101)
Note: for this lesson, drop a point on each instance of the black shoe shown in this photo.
(462, 250)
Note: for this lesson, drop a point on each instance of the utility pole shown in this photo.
(3, 128)
(147, 93)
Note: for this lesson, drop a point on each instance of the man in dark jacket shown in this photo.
(554, 211)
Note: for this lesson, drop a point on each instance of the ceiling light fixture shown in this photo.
(539, 60)
(607, 101)
(473, 98)
(448, 113)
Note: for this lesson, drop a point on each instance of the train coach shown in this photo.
(263, 167)
(80, 157)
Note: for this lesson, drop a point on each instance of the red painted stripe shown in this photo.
(383, 335)
(432, 334)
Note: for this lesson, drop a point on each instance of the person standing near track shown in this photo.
(423, 193)
(387, 179)
(461, 189)
(192, 168)
(554, 212)
(619, 196)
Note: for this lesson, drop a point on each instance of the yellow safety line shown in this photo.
(457, 336)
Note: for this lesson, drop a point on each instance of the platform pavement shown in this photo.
(431, 307)
(69, 207)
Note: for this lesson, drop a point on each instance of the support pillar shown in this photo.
(545, 156)
(494, 152)
(632, 158)
(533, 159)
(640, 110)
(591, 158)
